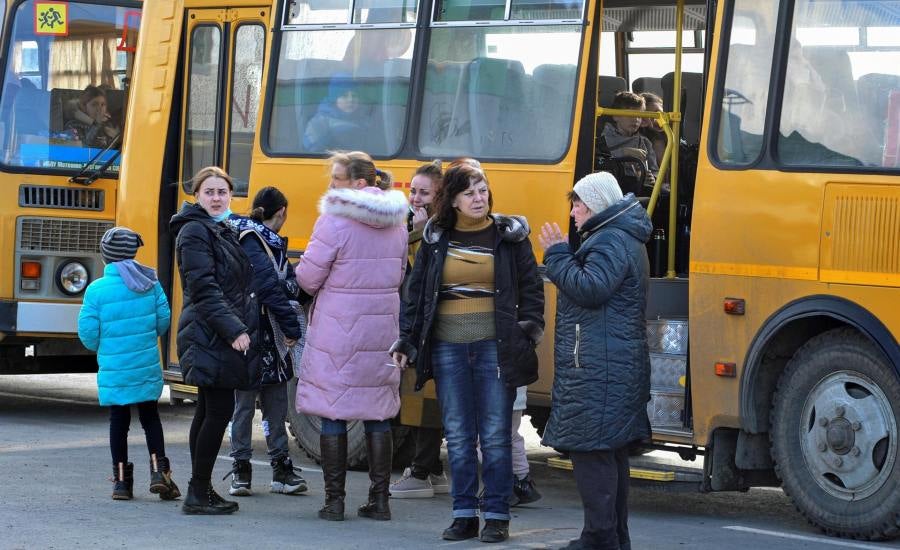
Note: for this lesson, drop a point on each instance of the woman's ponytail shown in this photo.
(383, 180)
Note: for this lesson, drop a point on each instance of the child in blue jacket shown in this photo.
(122, 316)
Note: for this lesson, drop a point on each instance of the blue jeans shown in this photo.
(475, 405)
(338, 427)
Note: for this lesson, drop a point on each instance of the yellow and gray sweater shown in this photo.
(465, 309)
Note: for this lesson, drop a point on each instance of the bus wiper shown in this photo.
(80, 177)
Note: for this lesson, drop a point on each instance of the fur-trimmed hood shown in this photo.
(512, 228)
(370, 205)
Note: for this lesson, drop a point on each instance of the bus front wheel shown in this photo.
(834, 436)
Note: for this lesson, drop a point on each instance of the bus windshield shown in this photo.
(63, 94)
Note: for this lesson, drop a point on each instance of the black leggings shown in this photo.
(120, 421)
(215, 407)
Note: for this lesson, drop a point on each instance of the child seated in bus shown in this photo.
(338, 123)
(623, 139)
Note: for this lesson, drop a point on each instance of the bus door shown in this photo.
(223, 66)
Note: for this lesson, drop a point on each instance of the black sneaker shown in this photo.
(286, 478)
(461, 529)
(241, 474)
(524, 492)
(495, 530)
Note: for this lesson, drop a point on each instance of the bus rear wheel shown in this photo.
(834, 436)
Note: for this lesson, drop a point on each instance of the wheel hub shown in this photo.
(839, 436)
(848, 435)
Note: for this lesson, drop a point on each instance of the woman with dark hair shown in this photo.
(473, 319)
(217, 328)
(353, 266)
(275, 288)
(425, 476)
(90, 119)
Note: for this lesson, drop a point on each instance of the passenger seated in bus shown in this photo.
(339, 121)
(650, 128)
(91, 121)
(623, 139)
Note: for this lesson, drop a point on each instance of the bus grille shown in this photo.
(45, 196)
(61, 235)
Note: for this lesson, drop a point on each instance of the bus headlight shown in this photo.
(72, 277)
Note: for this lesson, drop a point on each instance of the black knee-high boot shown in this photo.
(379, 446)
(334, 470)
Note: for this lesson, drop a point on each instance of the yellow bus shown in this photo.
(773, 315)
(58, 190)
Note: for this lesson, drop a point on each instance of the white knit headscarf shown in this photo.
(598, 191)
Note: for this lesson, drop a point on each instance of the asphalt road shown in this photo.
(55, 464)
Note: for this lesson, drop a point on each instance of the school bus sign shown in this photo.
(51, 18)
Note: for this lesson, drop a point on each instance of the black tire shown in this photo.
(839, 393)
(306, 430)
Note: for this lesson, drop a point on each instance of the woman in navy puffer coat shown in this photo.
(602, 366)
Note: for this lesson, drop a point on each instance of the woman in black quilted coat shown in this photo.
(217, 328)
(601, 383)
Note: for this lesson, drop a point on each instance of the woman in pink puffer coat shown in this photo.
(353, 267)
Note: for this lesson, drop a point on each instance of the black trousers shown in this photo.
(120, 422)
(215, 407)
(427, 460)
(602, 479)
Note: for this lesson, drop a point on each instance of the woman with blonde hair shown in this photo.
(353, 267)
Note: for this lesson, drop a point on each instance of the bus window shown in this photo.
(249, 44)
(63, 95)
(842, 78)
(500, 91)
(203, 77)
(651, 54)
(340, 86)
(751, 34)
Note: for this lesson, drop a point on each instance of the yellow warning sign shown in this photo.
(51, 18)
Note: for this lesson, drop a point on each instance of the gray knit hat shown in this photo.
(118, 244)
(598, 191)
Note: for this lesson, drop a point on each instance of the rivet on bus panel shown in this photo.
(728, 370)
(734, 306)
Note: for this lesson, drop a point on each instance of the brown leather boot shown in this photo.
(379, 446)
(334, 470)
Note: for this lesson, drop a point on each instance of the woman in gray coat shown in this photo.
(602, 366)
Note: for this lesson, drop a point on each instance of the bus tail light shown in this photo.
(728, 370)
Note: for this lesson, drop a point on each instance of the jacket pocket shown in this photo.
(577, 344)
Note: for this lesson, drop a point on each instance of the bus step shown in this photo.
(644, 472)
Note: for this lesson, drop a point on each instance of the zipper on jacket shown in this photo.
(577, 344)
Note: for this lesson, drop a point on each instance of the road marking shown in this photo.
(305, 468)
(819, 540)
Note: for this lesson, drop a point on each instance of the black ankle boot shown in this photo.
(379, 446)
(203, 500)
(161, 482)
(461, 529)
(334, 470)
(123, 477)
(495, 530)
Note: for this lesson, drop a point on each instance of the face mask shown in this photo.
(223, 216)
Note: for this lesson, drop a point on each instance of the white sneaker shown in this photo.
(411, 487)
(440, 484)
